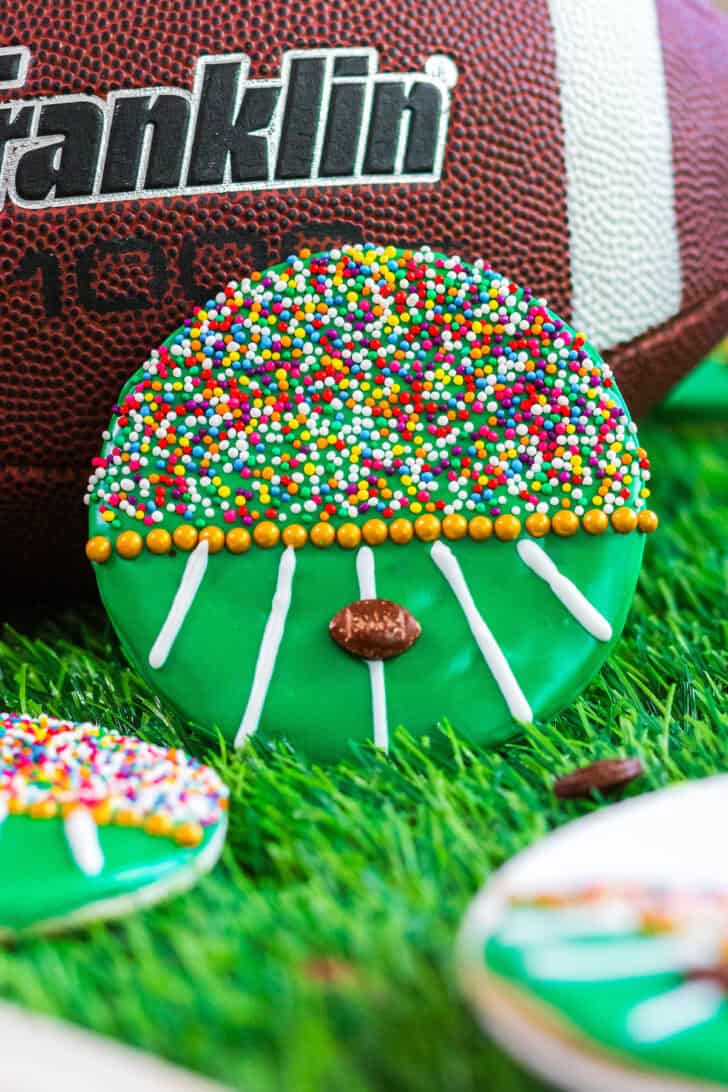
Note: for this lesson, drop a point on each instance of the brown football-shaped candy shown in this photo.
(374, 629)
(606, 775)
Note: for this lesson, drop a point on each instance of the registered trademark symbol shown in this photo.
(442, 68)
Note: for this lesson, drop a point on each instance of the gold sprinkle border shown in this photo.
(427, 528)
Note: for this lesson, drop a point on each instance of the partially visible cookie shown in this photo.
(599, 957)
(41, 1053)
(95, 824)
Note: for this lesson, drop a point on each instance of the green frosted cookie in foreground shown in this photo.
(95, 824)
(365, 488)
(599, 956)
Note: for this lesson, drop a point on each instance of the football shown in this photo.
(152, 150)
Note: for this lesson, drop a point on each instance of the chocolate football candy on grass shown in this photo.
(606, 775)
(95, 824)
(369, 424)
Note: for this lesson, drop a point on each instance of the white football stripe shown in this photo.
(368, 590)
(269, 645)
(625, 254)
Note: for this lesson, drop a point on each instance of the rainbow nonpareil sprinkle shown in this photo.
(49, 766)
(362, 382)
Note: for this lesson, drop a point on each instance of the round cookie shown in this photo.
(95, 824)
(599, 956)
(369, 424)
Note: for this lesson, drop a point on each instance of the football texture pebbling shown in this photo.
(152, 151)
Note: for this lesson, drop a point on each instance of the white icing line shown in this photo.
(3, 807)
(83, 841)
(183, 599)
(379, 704)
(272, 637)
(604, 962)
(670, 1013)
(578, 606)
(536, 927)
(117, 906)
(365, 573)
(368, 590)
(493, 655)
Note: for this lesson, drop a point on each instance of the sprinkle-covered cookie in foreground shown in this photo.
(369, 424)
(599, 956)
(95, 824)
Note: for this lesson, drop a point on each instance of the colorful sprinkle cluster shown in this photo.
(49, 766)
(368, 382)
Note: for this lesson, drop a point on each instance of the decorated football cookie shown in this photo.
(365, 488)
(599, 957)
(95, 824)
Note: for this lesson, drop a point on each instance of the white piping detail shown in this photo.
(269, 645)
(368, 590)
(577, 604)
(83, 841)
(184, 597)
(493, 655)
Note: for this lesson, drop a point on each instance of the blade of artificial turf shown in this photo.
(319, 955)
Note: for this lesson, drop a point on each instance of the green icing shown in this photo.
(703, 393)
(600, 1009)
(41, 881)
(319, 697)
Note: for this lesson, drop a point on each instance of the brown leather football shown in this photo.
(150, 150)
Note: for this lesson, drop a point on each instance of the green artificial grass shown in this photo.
(702, 393)
(318, 956)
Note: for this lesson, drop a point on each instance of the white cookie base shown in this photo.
(41, 1054)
